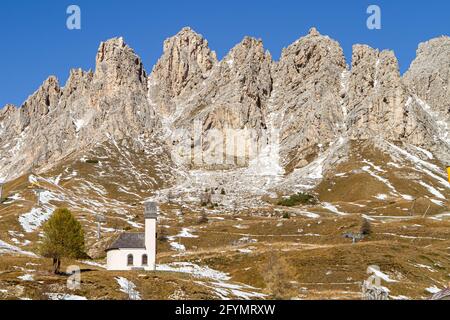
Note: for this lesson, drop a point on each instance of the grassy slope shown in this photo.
(316, 261)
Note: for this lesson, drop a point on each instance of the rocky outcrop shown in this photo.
(306, 105)
(428, 81)
(379, 104)
(7, 111)
(44, 100)
(234, 96)
(185, 63)
(376, 96)
(8, 123)
(119, 93)
(110, 103)
(118, 68)
(429, 75)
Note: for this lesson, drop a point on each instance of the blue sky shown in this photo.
(36, 43)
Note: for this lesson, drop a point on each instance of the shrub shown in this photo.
(92, 161)
(296, 199)
(213, 206)
(366, 228)
(286, 215)
(203, 218)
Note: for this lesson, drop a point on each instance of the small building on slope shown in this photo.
(135, 251)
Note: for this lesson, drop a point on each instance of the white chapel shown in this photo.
(136, 251)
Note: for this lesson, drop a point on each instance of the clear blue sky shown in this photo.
(35, 42)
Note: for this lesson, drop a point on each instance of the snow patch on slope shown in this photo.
(333, 209)
(128, 287)
(194, 269)
(34, 219)
(8, 248)
(432, 190)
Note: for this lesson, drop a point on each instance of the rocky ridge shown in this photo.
(308, 100)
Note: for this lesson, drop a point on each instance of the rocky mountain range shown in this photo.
(310, 95)
(225, 147)
(297, 107)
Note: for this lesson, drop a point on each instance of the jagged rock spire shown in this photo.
(429, 74)
(313, 32)
(306, 97)
(118, 65)
(376, 95)
(40, 103)
(186, 61)
(7, 109)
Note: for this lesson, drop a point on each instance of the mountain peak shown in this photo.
(186, 38)
(188, 31)
(434, 43)
(185, 62)
(429, 74)
(40, 103)
(248, 41)
(110, 48)
(246, 53)
(7, 109)
(312, 53)
(49, 87)
(363, 53)
(51, 81)
(313, 32)
(247, 44)
(117, 63)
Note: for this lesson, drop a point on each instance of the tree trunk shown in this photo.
(56, 265)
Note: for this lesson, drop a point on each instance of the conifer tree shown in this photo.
(63, 238)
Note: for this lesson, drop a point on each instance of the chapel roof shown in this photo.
(128, 241)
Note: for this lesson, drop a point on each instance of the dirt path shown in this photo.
(261, 249)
